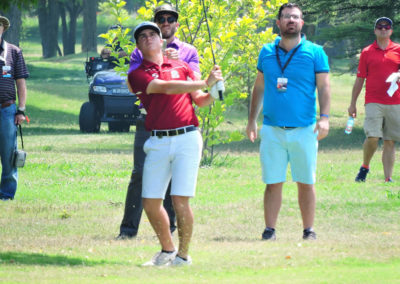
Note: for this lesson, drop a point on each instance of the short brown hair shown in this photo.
(289, 5)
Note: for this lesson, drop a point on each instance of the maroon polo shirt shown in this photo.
(164, 111)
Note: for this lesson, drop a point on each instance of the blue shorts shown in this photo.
(298, 146)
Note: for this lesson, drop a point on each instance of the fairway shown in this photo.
(62, 225)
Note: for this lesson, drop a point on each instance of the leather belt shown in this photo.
(287, 127)
(7, 103)
(173, 132)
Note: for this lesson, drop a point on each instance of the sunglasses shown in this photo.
(170, 20)
(386, 27)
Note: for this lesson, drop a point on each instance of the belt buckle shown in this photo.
(159, 134)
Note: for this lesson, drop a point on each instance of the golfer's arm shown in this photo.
(257, 97)
(358, 85)
(201, 99)
(324, 93)
(174, 87)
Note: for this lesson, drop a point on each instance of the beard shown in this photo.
(169, 33)
(292, 32)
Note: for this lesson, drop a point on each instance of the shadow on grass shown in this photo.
(21, 258)
(336, 139)
(37, 131)
(47, 73)
(50, 117)
(50, 131)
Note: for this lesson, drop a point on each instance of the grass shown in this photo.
(70, 199)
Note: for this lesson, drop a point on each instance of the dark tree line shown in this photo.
(53, 12)
(347, 25)
(50, 12)
(343, 26)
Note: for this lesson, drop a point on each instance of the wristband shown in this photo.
(20, 112)
(324, 115)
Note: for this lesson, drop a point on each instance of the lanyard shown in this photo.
(287, 62)
(5, 54)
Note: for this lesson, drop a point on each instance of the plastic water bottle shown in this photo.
(349, 125)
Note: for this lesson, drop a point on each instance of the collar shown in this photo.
(2, 44)
(278, 39)
(174, 43)
(376, 46)
(149, 64)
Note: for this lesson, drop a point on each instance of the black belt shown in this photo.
(7, 104)
(287, 127)
(173, 132)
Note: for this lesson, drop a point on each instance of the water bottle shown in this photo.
(349, 125)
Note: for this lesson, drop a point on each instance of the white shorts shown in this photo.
(171, 157)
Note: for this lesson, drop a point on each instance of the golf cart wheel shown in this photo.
(118, 127)
(89, 119)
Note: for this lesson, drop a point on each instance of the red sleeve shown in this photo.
(362, 71)
(139, 80)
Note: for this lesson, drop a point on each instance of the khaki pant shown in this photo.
(382, 121)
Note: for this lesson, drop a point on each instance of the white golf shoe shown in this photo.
(161, 259)
(178, 261)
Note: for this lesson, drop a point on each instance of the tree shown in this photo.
(348, 22)
(6, 5)
(48, 14)
(73, 8)
(89, 36)
(238, 31)
(134, 5)
(14, 16)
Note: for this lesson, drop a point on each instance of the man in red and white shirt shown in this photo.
(382, 110)
(167, 89)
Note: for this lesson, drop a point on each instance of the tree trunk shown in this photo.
(74, 8)
(48, 14)
(89, 33)
(64, 27)
(13, 33)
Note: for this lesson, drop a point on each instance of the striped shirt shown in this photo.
(11, 57)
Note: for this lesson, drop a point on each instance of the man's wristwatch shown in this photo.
(22, 108)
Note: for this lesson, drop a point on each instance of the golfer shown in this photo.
(167, 89)
(166, 18)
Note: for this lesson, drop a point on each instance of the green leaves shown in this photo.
(238, 31)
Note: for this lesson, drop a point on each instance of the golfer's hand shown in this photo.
(172, 53)
(215, 75)
(322, 127)
(352, 110)
(251, 131)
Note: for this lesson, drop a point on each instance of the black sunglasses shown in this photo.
(170, 20)
(386, 27)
